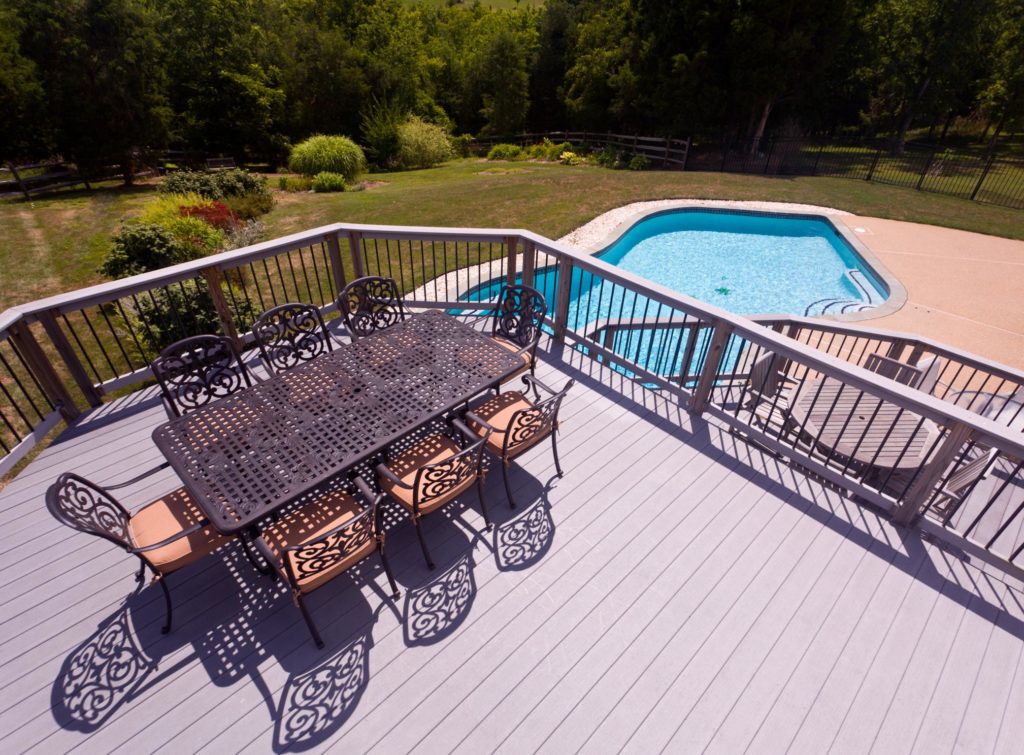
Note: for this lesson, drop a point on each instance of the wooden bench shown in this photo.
(220, 163)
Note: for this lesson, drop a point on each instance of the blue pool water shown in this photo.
(743, 262)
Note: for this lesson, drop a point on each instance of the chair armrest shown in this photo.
(383, 471)
(366, 491)
(531, 380)
(480, 421)
(471, 436)
(142, 476)
(198, 526)
(269, 556)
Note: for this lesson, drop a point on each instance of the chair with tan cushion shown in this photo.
(166, 535)
(434, 472)
(196, 371)
(516, 323)
(290, 335)
(322, 539)
(510, 424)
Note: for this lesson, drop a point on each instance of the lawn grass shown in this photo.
(56, 243)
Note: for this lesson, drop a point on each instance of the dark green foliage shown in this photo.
(639, 162)
(505, 152)
(463, 145)
(327, 182)
(140, 248)
(251, 206)
(218, 185)
(380, 133)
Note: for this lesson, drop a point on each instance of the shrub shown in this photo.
(570, 158)
(380, 132)
(197, 237)
(214, 184)
(505, 152)
(609, 158)
(333, 154)
(463, 145)
(179, 311)
(639, 162)
(249, 206)
(244, 234)
(555, 151)
(165, 209)
(141, 247)
(325, 181)
(217, 214)
(422, 144)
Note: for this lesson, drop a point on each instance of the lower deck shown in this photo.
(677, 589)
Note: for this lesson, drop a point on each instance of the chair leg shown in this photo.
(395, 594)
(554, 450)
(167, 601)
(483, 506)
(423, 542)
(309, 621)
(141, 574)
(508, 487)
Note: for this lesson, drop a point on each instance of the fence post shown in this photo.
(63, 346)
(924, 171)
(874, 164)
(984, 175)
(214, 277)
(42, 368)
(668, 144)
(908, 509)
(817, 159)
(768, 156)
(337, 267)
(21, 184)
(355, 247)
(512, 245)
(561, 323)
(686, 153)
(706, 382)
(529, 255)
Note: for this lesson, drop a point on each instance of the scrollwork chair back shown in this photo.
(291, 334)
(370, 304)
(519, 315)
(196, 371)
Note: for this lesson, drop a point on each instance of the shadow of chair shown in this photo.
(436, 608)
(522, 541)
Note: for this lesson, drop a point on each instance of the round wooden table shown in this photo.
(862, 427)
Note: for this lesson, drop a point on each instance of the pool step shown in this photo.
(836, 307)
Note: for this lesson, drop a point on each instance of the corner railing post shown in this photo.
(42, 368)
(529, 259)
(709, 372)
(214, 279)
(562, 297)
(911, 505)
(337, 267)
(511, 250)
(355, 249)
(71, 360)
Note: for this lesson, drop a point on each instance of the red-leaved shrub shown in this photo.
(216, 214)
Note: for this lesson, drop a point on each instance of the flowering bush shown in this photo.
(217, 214)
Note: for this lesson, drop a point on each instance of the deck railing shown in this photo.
(62, 353)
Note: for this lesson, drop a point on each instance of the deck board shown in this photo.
(693, 592)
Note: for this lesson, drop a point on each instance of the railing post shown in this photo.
(529, 260)
(706, 382)
(355, 248)
(512, 245)
(562, 297)
(337, 267)
(896, 348)
(60, 342)
(214, 278)
(42, 368)
(925, 169)
(908, 509)
(874, 164)
(984, 175)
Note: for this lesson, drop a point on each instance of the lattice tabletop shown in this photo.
(249, 454)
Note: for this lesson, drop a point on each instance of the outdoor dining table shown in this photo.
(870, 430)
(250, 454)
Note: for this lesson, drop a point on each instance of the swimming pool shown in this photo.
(745, 262)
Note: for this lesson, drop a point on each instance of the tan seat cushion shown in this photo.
(310, 522)
(512, 346)
(430, 450)
(498, 412)
(159, 520)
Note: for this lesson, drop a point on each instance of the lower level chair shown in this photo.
(318, 541)
(166, 535)
(434, 472)
(510, 424)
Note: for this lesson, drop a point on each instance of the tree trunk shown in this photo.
(127, 173)
(995, 134)
(945, 126)
(908, 117)
(755, 143)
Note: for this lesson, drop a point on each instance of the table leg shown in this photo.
(258, 562)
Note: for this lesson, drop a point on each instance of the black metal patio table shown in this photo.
(247, 455)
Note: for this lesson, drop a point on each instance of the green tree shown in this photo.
(21, 94)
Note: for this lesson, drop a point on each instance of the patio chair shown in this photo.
(370, 304)
(769, 390)
(323, 538)
(945, 500)
(516, 323)
(434, 472)
(930, 368)
(166, 535)
(894, 369)
(510, 424)
(291, 334)
(196, 371)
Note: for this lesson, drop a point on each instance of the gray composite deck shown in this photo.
(678, 589)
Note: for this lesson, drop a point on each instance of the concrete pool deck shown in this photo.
(964, 289)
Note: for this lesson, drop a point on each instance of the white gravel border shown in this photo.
(592, 236)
